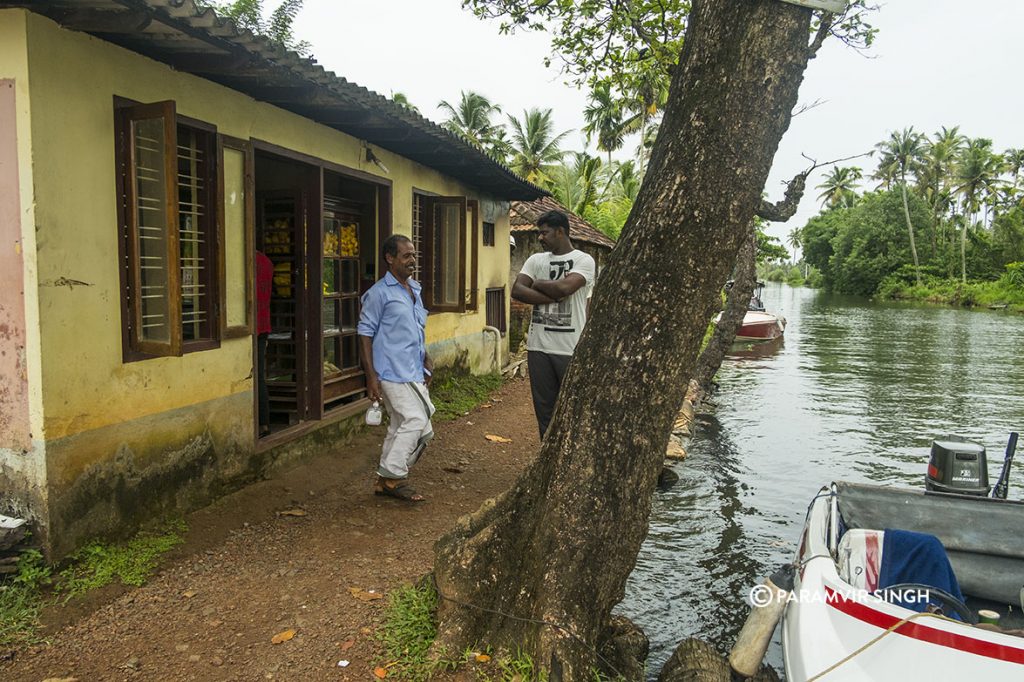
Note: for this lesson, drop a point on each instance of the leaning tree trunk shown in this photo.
(736, 305)
(540, 568)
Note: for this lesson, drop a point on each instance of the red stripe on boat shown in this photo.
(914, 630)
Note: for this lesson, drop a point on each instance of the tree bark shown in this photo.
(736, 304)
(540, 568)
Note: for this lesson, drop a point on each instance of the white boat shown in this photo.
(836, 625)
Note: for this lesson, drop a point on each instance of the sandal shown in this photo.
(401, 490)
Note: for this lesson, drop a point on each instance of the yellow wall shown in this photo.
(74, 80)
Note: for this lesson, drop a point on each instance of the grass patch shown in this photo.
(21, 601)
(409, 629)
(98, 564)
(521, 667)
(456, 393)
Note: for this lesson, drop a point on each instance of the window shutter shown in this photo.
(152, 196)
(445, 237)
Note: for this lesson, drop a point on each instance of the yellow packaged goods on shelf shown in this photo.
(349, 240)
(283, 279)
(331, 244)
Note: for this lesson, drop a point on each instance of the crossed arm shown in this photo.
(527, 290)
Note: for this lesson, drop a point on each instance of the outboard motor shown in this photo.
(957, 466)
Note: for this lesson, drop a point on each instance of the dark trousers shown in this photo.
(546, 374)
(261, 381)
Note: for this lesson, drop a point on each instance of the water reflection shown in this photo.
(856, 391)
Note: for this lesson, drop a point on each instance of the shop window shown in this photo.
(440, 237)
(167, 182)
(488, 234)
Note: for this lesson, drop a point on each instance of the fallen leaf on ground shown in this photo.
(347, 644)
(364, 595)
(497, 439)
(453, 470)
(381, 673)
(282, 636)
(365, 631)
(482, 658)
(484, 407)
(188, 594)
(292, 512)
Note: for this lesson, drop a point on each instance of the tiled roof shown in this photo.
(193, 39)
(523, 215)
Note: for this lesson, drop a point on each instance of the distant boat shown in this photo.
(758, 324)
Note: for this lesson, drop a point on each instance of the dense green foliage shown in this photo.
(955, 199)
(277, 26)
(21, 601)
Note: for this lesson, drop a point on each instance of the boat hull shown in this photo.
(761, 326)
(830, 626)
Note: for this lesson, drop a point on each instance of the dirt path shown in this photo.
(246, 572)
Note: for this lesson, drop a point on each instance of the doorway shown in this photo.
(320, 227)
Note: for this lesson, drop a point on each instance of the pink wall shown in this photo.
(14, 413)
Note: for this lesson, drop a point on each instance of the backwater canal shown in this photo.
(856, 391)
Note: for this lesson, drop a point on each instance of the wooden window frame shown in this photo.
(502, 310)
(488, 234)
(249, 208)
(133, 347)
(429, 213)
(470, 296)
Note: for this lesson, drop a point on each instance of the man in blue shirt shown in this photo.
(392, 343)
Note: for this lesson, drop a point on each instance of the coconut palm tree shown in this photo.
(604, 117)
(471, 117)
(900, 153)
(934, 175)
(535, 145)
(402, 100)
(978, 171)
(625, 181)
(577, 186)
(840, 187)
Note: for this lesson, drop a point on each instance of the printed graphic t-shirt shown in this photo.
(556, 327)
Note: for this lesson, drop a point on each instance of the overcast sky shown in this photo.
(934, 63)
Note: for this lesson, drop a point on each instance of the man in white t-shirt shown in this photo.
(557, 283)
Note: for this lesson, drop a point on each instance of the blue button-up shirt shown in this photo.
(397, 326)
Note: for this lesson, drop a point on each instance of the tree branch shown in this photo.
(782, 211)
(824, 30)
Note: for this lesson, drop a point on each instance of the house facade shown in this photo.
(148, 149)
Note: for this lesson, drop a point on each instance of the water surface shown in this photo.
(856, 391)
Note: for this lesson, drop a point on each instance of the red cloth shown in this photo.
(264, 285)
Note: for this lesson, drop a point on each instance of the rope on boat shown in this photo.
(895, 626)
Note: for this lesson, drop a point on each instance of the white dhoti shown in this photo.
(409, 430)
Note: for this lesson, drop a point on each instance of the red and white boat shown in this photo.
(838, 625)
(758, 324)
